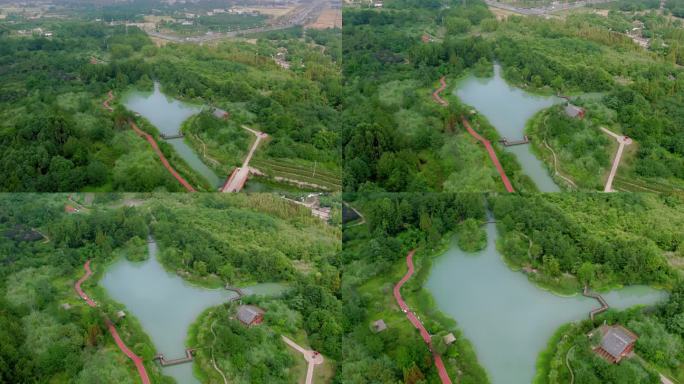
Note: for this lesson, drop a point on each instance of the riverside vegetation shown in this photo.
(397, 139)
(44, 249)
(56, 136)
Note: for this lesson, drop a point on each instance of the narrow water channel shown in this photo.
(508, 319)
(508, 109)
(167, 114)
(166, 305)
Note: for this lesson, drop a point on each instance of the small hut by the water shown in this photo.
(379, 326)
(449, 339)
(574, 111)
(250, 315)
(616, 343)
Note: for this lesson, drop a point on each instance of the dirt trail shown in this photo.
(110, 326)
(213, 361)
(435, 94)
(154, 145)
(443, 375)
(237, 179)
(312, 358)
(622, 141)
(165, 162)
(105, 104)
(488, 145)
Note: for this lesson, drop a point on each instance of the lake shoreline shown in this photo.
(434, 307)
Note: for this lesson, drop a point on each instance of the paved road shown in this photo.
(117, 339)
(236, 181)
(492, 155)
(165, 162)
(443, 375)
(622, 141)
(312, 358)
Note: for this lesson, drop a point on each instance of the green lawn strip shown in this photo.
(304, 168)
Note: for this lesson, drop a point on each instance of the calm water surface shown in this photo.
(167, 114)
(166, 305)
(508, 109)
(508, 319)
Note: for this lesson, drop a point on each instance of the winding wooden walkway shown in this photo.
(237, 179)
(490, 150)
(436, 96)
(441, 369)
(604, 305)
(163, 159)
(142, 372)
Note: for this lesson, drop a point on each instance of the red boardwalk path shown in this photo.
(492, 154)
(122, 346)
(487, 144)
(168, 166)
(414, 320)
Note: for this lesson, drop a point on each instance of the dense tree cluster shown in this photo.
(565, 234)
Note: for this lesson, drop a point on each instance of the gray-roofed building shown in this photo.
(574, 111)
(449, 338)
(250, 314)
(616, 343)
(220, 113)
(379, 326)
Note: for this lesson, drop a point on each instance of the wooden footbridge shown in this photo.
(237, 290)
(604, 305)
(237, 179)
(164, 362)
(169, 136)
(507, 143)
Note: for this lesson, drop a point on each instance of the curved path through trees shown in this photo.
(488, 145)
(213, 361)
(443, 375)
(436, 96)
(312, 358)
(622, 141)
(492, 154)
(122, 346)
(165, 162)
(237, 179)
(105, 104)
(555, 159)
